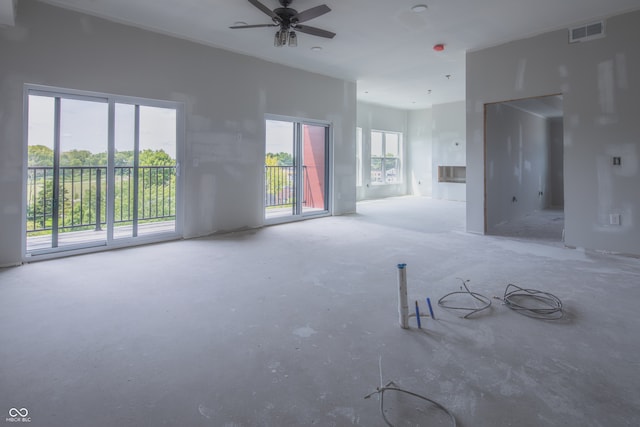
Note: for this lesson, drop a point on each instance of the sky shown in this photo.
(279, 137)
(84, 126)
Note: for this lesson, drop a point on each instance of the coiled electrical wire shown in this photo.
(472, 310)
(391, 386)
(533, 303)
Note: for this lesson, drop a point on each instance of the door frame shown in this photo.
(298, 122)
(485, 151)
(111, 100)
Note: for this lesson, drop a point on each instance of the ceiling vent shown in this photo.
(583, 33)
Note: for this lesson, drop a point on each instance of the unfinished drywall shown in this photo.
(556, 163)
(7, 12)
(600, 84)
(225, 95)
(420, 148)
(517, 153)
(449, 147)
(375, 117)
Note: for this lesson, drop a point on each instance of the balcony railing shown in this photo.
(280, 185)
(81, 203)
(280, 182)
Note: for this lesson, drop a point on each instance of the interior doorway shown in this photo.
(524, 176)
(296, 169)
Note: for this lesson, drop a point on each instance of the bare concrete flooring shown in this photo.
(294, 324)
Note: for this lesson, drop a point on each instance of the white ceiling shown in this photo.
(381, 44)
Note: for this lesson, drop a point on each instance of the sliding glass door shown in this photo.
(296, 169)
(144, 170)
(99, 171)
(66, 174)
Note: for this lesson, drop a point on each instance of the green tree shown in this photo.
(99, 159)
(39, 155)
(123, 158)
(75, 158)
(278, 174)
(150, 157)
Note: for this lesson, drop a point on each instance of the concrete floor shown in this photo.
(547, 224)
(294, 324)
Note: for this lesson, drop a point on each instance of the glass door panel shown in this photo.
(66, 173)
(280, 170)
(82, 175)
(40, 144)
(314, 168)
(124, 171)
(156, 172)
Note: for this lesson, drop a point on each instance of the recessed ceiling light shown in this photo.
(240, 23)
(316, 48)
(419, 8)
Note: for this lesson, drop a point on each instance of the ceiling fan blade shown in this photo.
(265, 9)
(253, 26)
(315, 31)
(308, 14)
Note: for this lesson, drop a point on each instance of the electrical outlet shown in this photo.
(617, 161)
(614, 219)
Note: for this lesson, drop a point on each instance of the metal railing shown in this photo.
(81, 196)
(280, 183)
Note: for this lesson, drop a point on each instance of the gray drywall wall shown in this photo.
(600, 84)
(449, 147)
(420, 152)
(517, 152)
(556, 163)
(225, 96)
(375, 117)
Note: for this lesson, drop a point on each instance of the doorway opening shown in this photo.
(296, 169)
(101, 171)
(524, 176)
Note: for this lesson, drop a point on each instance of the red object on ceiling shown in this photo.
(439, 47)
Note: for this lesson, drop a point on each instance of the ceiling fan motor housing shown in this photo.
(285, 15)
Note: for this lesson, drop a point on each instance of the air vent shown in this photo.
(583, 33)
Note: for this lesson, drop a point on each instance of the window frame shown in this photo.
(111, 100)
(359, 159)
(385, 158)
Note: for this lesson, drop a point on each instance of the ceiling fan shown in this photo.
(289, 21)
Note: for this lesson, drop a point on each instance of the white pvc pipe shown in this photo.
(403, 304)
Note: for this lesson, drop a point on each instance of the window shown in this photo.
(359, 157)
(386, 150)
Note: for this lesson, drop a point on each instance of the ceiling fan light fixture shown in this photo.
(288, 20)
(419, 8)
(293, 39)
